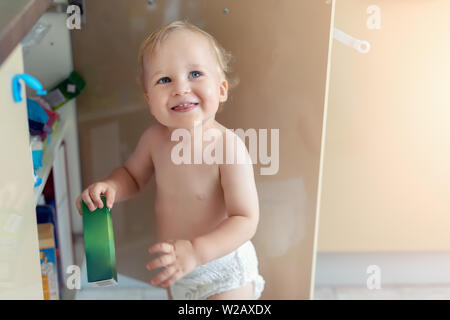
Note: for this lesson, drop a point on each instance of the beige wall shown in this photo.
(386, 165)
(281, 51)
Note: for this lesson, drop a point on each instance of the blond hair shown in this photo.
(224, 57)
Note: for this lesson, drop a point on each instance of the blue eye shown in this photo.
(159, 81)
(193, 74)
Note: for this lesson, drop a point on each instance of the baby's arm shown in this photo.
(129, 179)
(125, 181)
(241, 200)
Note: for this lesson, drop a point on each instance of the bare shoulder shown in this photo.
(140, 163)
(230, 134)
(153, 134)
(148, 142)
(236, 154)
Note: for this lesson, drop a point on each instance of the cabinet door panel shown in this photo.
(20, 275)
(281, 54)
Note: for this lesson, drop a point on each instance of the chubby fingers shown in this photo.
(162, 247)
(175, 276)
(162, 261)
(86, 197)
(166, 260)
(165, 275)
(110, 197)
(92, 197)
(94, 193)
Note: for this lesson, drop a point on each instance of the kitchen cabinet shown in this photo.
(50, 61)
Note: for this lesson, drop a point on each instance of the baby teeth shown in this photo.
(185, 105)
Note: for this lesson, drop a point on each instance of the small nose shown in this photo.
(181, 88)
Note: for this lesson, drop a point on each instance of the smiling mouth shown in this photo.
(184, 107)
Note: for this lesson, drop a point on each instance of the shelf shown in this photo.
(49, 156)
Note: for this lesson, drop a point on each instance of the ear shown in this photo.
(223, 91)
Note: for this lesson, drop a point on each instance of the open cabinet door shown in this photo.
(20, 270)
(280, 51)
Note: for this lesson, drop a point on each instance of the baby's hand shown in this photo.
(178, 259)
(91, 196)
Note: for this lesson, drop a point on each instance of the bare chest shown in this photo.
(189, 197)
(190, 182)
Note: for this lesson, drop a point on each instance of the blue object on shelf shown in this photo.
(37, 159)
(36, 112)
(29, 80)
(37, 179)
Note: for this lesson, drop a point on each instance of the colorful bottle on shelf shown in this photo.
(45, 270)
(49, 269)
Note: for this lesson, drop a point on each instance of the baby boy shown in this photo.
(206, 213)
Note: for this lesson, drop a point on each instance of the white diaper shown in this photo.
(226, 273)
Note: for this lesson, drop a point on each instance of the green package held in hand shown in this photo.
(99, 245)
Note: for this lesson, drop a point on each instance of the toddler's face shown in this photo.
(183, 70)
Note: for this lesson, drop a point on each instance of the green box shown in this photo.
(99, 245)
